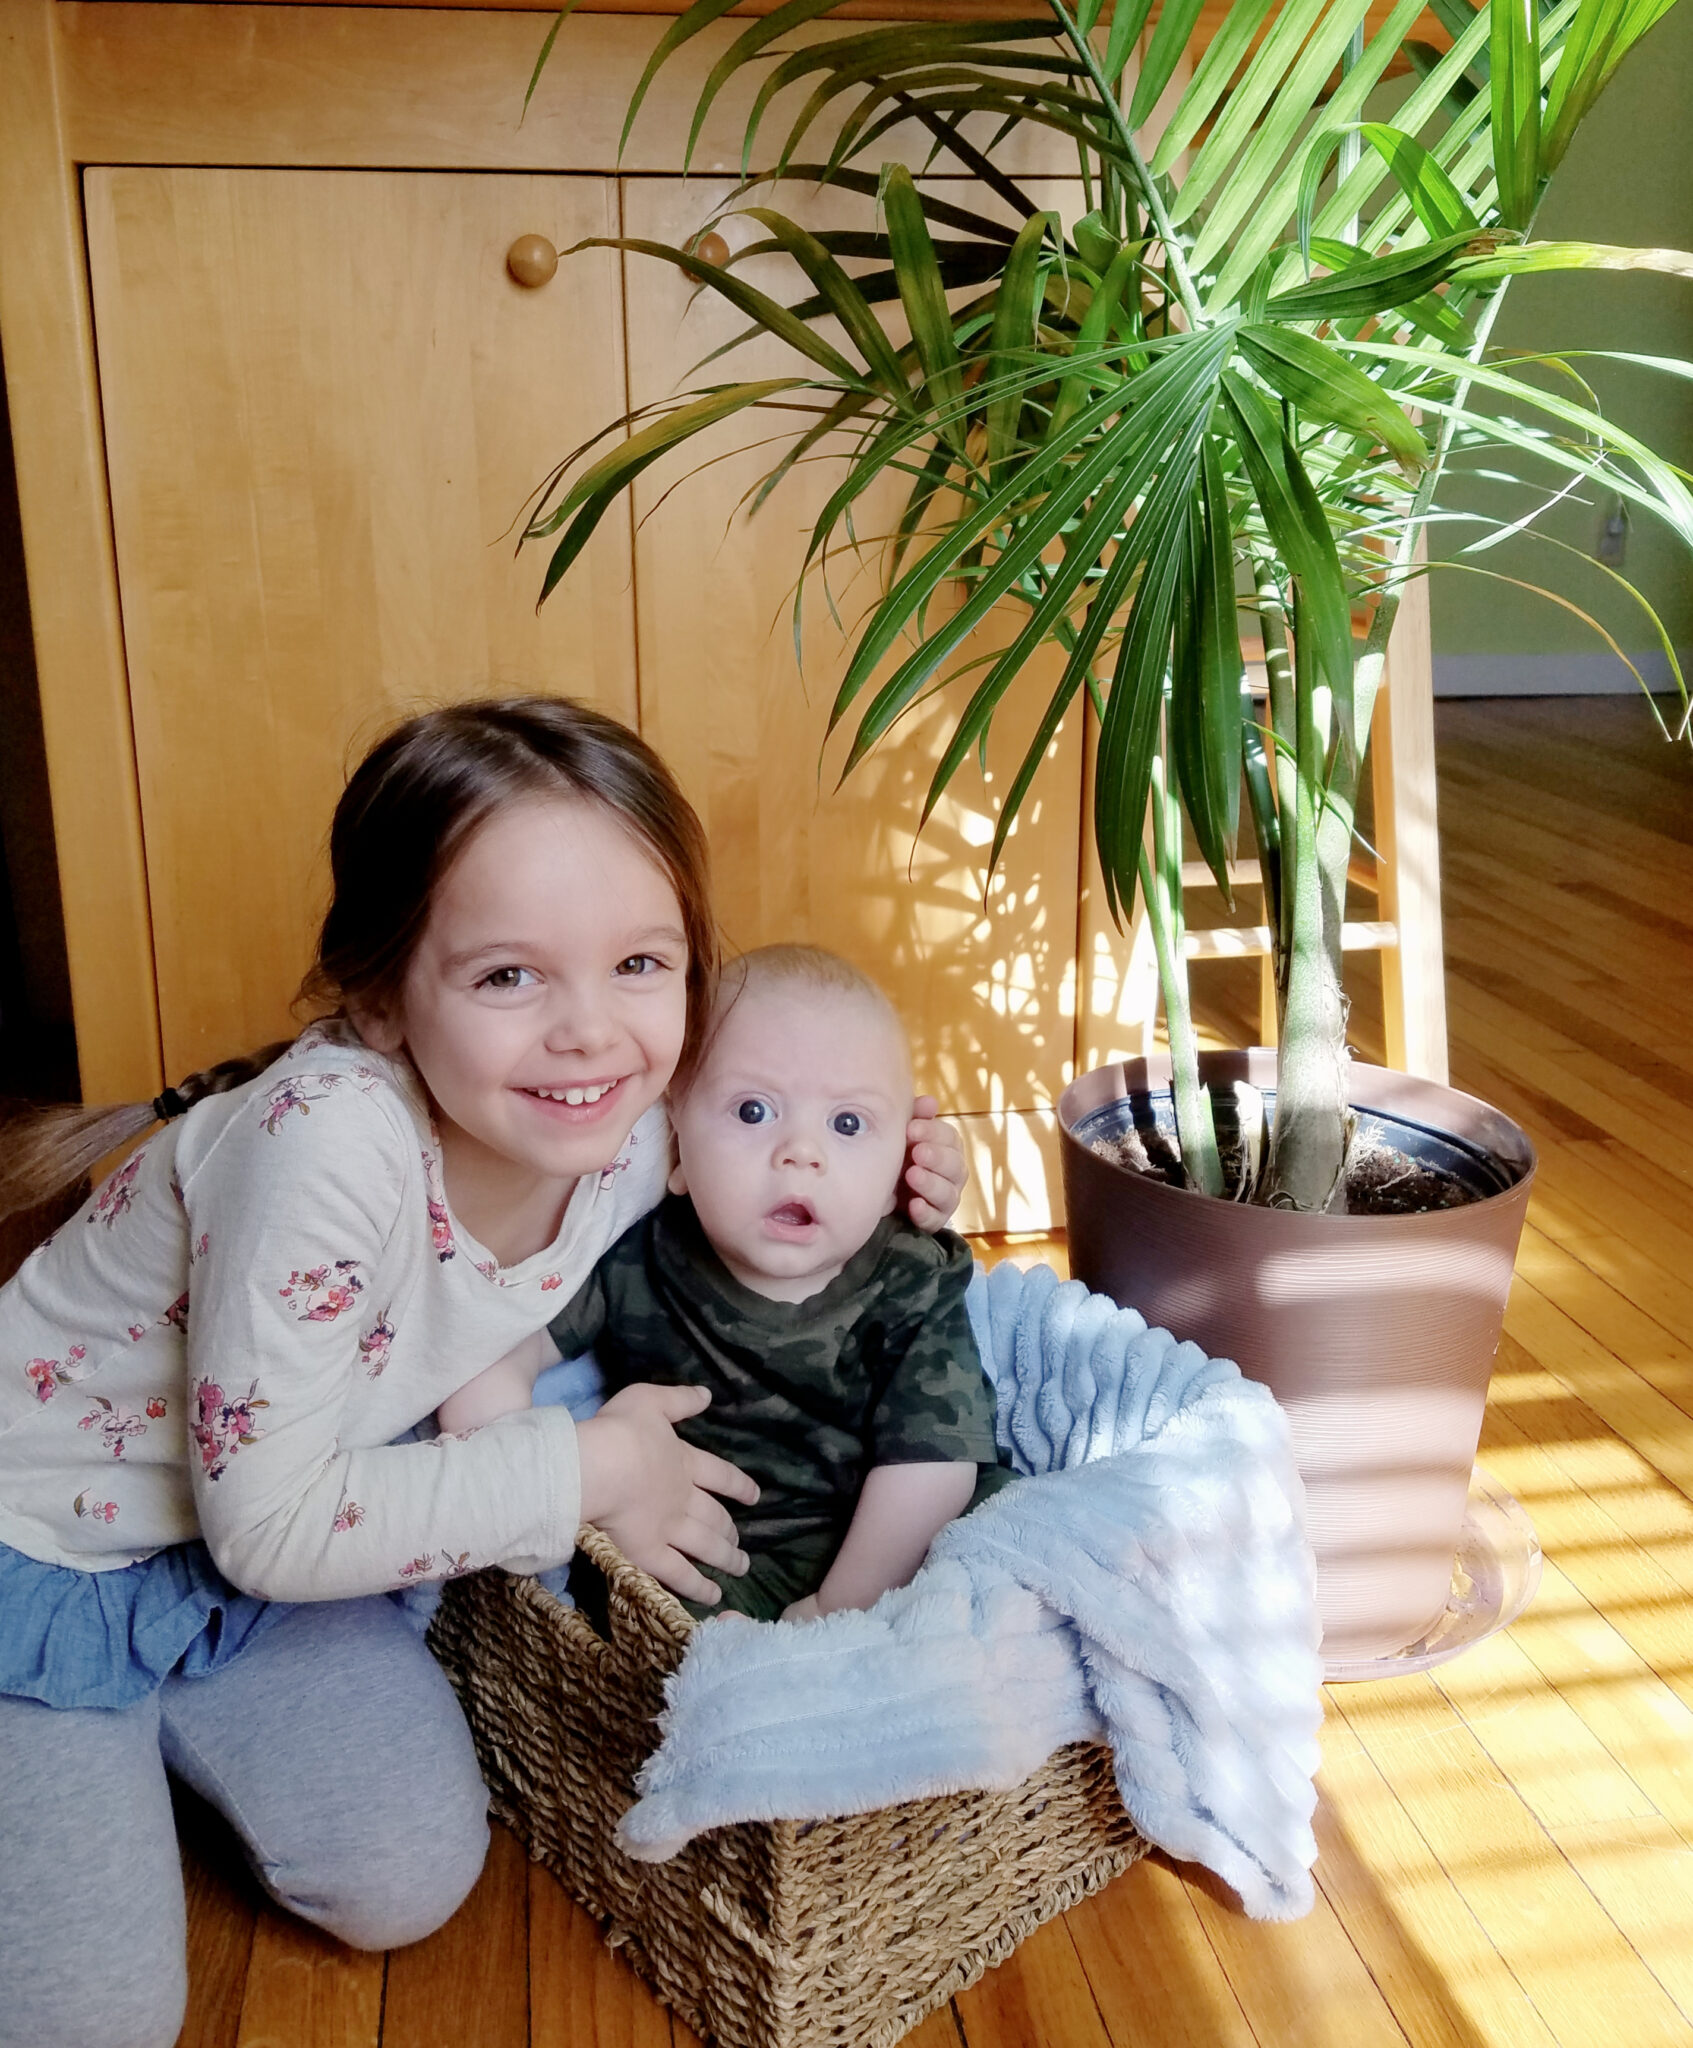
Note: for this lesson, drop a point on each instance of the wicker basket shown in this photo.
(768, 1934)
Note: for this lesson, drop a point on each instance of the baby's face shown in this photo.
(792, 1135)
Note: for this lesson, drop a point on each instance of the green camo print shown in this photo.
(880, 1368)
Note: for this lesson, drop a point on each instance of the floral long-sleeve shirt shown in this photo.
(228, 1336)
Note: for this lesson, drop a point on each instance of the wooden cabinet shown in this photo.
(278, 408)
(325, 404)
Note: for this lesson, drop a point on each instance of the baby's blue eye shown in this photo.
(846, 1123)
(752, 1111)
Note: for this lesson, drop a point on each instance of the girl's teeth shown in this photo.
(576, 1097)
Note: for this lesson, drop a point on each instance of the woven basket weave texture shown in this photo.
(826, 1934)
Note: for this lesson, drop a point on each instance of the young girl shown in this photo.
(202, 1374)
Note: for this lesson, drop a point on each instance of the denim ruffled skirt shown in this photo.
(108, 1639)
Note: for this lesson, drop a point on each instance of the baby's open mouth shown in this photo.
(793, 1216)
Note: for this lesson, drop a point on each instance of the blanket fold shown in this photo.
(1148, 1584)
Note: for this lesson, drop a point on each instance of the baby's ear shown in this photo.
(678, 1181)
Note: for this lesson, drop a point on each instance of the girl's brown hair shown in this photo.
(405, 816)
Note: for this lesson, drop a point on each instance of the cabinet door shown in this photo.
(325, 405)
(986, 986)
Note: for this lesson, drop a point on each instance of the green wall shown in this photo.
(1628, 178)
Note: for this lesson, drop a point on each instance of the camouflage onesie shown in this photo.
(879, 1368)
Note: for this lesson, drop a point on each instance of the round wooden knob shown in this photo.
(712, 249)
(532, 259)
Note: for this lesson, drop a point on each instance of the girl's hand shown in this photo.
(935, 1173)
(651, 1493)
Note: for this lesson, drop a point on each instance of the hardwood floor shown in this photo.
(1507, 1842)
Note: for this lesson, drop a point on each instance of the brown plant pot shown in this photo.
(1375, 1333)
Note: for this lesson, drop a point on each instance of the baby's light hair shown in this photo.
(786, 966)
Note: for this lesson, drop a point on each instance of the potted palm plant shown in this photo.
(1218, 407)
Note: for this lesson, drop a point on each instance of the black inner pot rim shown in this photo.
(1152, 1110)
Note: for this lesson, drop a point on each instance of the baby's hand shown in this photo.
(651, 1493)
(803, 1610)
(935, 1173)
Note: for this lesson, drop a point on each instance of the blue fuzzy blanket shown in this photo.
(1148, 1585)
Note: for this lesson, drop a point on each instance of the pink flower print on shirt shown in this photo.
(116, 1425)
(222, 1425)
(418, 1566)
(300, 1091)
(440, 1223)
(321, 1293)
(50, 1374)
(179, 1197)
(199, 1248)
(348, 1516)
(118, 1194)
(156, 1407)
(552, 1282)
(176, 1316)
(458, 1566)
(136, 1332)
(100, 1510)
(375, 1345)
(608, 1174)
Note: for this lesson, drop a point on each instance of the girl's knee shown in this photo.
(402, 1887)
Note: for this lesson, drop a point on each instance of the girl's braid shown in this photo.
(43, 1151)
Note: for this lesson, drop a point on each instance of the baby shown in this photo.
(831, 1333)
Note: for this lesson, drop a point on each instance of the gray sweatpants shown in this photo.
(334, 1747)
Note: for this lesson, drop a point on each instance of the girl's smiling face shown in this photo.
(544, 1008)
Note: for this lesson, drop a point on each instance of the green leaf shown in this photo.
(1514, 56)
(1098, 323)
(1128, 733)
(842, 297)
(1205, 724)
(593, 491)
(1378, 282)
(1014, 330)
(773, 317)
(683, 29)
(1169, 45)
(1324, 385)
(1602, 34)
(1235, 124)
(1114, 463)
(569, 7)
(1126, 24)
(921, 289)
(757, 37)
(1268, 167)
(1435, 200)
(1222, 58)
(1299, 532)
(1527, 257)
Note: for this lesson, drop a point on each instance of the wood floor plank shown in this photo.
(1447, 1985)
(581, 1995)
(1645, 1419)
(1641, 1872)
(1628, 1331)
(224, 1903)
(1152, 1968)
(305, 1990)
(1039, 1997)
(1297, 1981)
(469, 1981)
(1583, 1977)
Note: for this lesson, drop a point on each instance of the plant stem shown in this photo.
(1308, 1143)
(1157, 213)
(1194, 1125)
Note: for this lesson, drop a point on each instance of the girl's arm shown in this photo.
(506, 1387)
(935, 1172)
(900, 1512)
